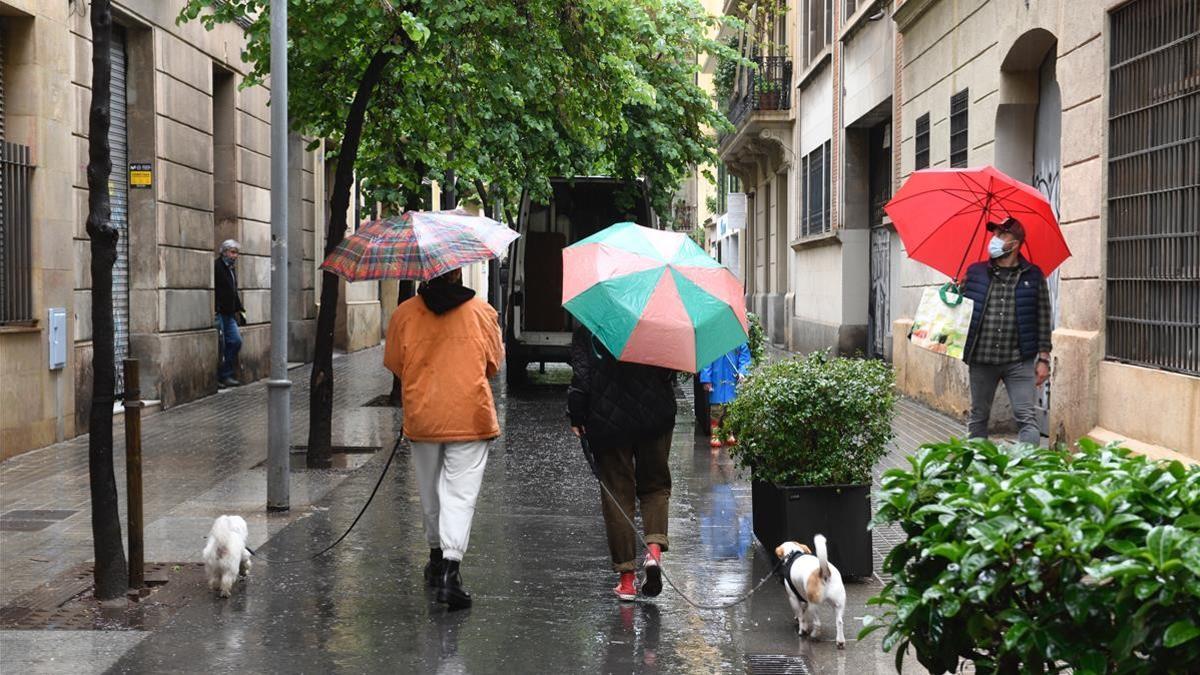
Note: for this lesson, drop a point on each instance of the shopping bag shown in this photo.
(942, 321)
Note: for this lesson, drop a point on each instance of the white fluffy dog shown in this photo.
(811, 580)
(225, 554)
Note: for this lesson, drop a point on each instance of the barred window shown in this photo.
(1153, 267)
(922, 140)
(814, 178)
(958, 129)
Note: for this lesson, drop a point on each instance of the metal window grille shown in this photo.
(922, 142)
(814, 210)
(958, 129)
(1153, 275)
(16, 298)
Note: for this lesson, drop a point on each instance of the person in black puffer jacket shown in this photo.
(627, 411)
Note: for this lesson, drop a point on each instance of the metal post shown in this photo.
(278, 386)
(133, 472)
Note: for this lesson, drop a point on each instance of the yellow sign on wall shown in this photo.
(141, 176)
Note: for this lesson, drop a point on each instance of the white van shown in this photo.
(537, 328)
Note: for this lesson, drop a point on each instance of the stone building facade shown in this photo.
(1088, 101)
(179, 113)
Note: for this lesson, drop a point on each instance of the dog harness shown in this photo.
(786, 572)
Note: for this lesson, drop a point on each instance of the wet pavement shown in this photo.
(537, 567)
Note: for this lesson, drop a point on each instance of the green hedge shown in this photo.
(1030, 560)
(813, 421)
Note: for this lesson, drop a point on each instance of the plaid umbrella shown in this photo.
(418, 245)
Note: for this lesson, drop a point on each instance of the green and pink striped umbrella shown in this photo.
(654, 297)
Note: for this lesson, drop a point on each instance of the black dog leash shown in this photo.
(348, 529)
(591, 459)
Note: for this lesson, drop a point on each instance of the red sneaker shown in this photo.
(625, 588)
(652, 586)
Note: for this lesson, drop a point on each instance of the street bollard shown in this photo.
(133, 473)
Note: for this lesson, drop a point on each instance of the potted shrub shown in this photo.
(1029, 560)
(768, 93)
(810, 431)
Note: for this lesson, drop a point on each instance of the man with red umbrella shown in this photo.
(1009, 339)
(1005, 235)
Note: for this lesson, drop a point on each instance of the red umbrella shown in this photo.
(942, 216)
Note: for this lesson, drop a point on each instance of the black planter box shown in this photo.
(840, 512)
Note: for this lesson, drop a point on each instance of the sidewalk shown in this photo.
(537, 565)
(199, 460)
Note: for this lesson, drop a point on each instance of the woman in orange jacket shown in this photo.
(444, 344)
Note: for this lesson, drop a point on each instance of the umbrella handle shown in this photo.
(951, 287)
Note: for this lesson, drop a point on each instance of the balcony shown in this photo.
(760, 112)
(769, 87)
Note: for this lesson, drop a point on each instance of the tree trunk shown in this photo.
(110, 573)
(406, 288)
(320, 411)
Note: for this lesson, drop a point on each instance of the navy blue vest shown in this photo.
(1029, 284)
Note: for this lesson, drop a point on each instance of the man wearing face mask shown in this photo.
(1009, 339)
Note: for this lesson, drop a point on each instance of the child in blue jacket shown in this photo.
(720, 379)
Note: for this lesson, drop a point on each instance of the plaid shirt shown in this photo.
(997, 342)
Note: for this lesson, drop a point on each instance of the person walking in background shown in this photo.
(721, 379)
(1009, 338)
(444, 344)
(626, 412)
(229, 310)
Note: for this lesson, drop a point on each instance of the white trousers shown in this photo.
(449, 476)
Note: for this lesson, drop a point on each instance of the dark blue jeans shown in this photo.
(231, 344)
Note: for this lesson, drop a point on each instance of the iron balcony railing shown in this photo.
(16, 265)
(767, 87)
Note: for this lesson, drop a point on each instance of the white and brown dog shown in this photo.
(811, 580)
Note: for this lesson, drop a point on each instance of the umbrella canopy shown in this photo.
(654, 297)
(942, 216)
(418, 245)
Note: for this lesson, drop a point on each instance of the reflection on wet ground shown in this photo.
(538, 569)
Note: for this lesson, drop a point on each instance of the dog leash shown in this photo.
(348, 529)
(591, 459)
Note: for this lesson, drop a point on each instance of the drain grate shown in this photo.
(32, 520)
(66, 602)
(777, 664)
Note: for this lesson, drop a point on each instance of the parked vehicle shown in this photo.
(538, 329)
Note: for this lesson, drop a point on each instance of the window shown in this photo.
(851, 8)
(16, 269)
(958, 129)
(1153, 266)
(922, 139)
(817, 28)
(814, 181)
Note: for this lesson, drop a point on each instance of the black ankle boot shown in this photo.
(433, 568)
(451, 591)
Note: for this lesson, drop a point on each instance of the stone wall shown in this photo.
(209, 146)
(994, 47)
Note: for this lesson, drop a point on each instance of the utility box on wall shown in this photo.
(57, 322)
